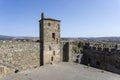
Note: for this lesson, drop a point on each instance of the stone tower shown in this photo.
(49, 40)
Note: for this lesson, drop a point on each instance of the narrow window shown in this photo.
(54, 53)
(49, 24)
(51, 58)
(49, 47)
(53, 35)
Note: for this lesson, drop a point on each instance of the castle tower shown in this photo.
(49, 40)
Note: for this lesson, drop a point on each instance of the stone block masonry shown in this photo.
(49, 40)
(5, 71)
(21, 55)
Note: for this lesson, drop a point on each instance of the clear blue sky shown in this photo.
(79, 18)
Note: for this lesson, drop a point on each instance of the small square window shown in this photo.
(54, 53)
(49, 47)
(53, 35)
(49, 24)
(51, 58)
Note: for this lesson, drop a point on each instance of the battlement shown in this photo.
(18, 40)
(105, 47)
(20, 53)
(25, 54)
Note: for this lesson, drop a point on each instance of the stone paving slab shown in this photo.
(64, 71)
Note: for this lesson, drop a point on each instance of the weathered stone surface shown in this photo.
(22, 55)
(64, 71)
(4, 71)
(49, 40)
(18, 55)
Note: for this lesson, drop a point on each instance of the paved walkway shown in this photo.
(64, 71)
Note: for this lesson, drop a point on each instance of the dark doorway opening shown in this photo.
(89, 61)
(66, 52)
(98, 63)
(77, 60)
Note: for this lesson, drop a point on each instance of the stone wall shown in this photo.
(67, 52)
(103, 58)
(4, 71)
(106, 60)
(20, 54)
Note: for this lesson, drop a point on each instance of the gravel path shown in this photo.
(64, 71)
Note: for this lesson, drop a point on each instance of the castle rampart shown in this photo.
(106, 58)
(20, 54)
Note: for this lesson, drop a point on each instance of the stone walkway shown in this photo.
(64, 71)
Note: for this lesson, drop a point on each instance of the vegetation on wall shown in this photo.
(78, 47)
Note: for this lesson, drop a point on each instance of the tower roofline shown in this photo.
(52, 19)
(43, 18)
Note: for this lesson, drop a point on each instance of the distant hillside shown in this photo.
(23, 37)
(104, 39)
(2, 37)
(94, 38)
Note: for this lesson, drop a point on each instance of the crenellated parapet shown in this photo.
(18, 40)
(19, 53)
(102, 55)
(105, 47)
